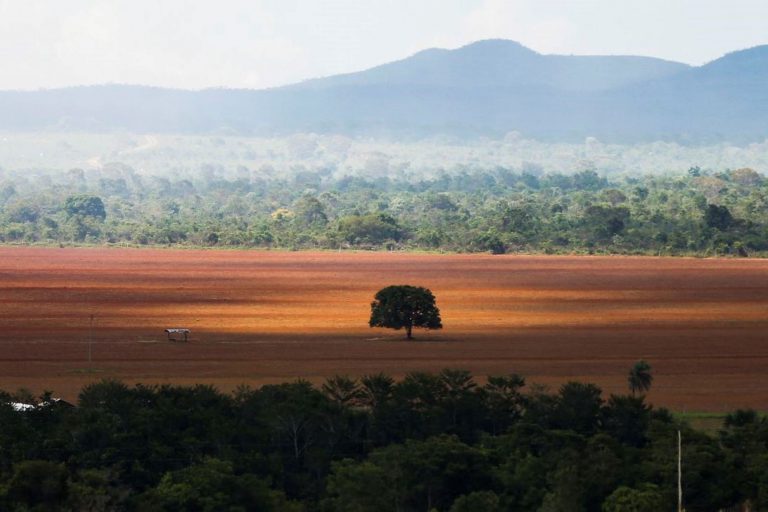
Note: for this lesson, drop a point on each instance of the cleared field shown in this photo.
(261, 316)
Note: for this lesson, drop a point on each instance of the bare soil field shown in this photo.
(268, 316)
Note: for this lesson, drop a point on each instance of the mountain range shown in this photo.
(487, 88)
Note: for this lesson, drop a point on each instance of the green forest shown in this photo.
(427, 442)
(498, 210)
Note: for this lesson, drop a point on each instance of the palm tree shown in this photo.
(342, 390)
(640, 377)
(376, 389)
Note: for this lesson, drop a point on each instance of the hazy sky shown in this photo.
(263, 43)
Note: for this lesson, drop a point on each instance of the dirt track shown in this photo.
(270, 316)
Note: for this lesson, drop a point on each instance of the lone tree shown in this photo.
(405, 306)
(640, 377)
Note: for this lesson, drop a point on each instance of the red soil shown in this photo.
(267, 316)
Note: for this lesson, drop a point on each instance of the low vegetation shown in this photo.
(439, 442)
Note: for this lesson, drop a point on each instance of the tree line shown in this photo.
(498, 210)
(427, 442)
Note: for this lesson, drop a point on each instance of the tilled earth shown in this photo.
(271, 316)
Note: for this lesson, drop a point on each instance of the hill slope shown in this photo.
(500, 63)
(486, 88)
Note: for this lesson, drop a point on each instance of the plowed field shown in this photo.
(261, 316)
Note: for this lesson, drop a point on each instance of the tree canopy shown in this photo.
(499, 210)
(85, 205)
(405, 307)
(443, 442)
(640, 377)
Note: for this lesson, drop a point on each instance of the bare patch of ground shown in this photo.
(268, 316)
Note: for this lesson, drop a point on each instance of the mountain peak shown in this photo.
(482, 46)
(489, 45)
(749, 66)
(502, 63)
(757, 56)
(486, 87)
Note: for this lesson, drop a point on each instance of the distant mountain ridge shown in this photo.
(501, 63)
(486, 88)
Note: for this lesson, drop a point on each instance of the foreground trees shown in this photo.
(405, 307)
(440, 442)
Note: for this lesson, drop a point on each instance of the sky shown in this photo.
(195, 44)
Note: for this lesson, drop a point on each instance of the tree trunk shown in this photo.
(408, 332)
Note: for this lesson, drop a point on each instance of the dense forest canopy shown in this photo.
(441, 442)
(498, 209)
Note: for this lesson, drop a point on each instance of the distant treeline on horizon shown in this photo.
(498, 210)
